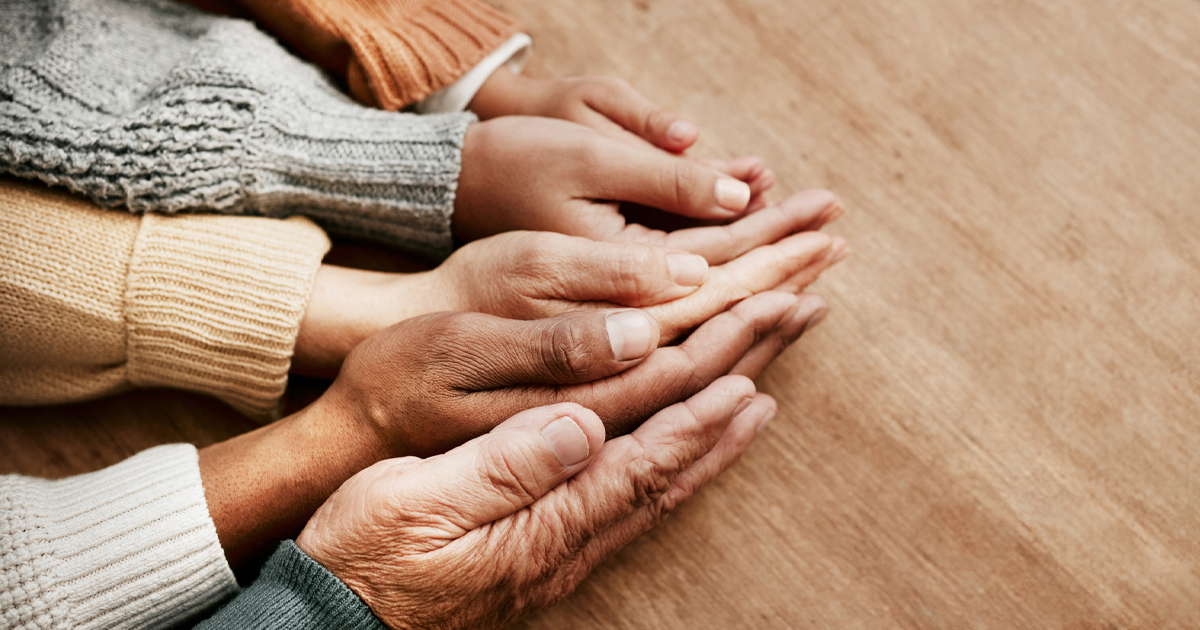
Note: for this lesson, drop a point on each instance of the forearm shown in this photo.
(263, 486)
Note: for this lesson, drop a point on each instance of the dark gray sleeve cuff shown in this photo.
(294, 592)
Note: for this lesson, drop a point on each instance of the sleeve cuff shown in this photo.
(131, 545)
(297, 593)
(214, 305)
(513, 54)
(402, 55)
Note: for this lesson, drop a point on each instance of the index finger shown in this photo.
(809, 210)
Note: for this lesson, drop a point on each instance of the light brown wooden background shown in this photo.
(999, 424)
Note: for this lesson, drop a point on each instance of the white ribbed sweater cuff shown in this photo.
(129, 546)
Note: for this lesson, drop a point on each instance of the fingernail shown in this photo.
(732, 194)
(815, 319)
(681, 131)
(766, 419)
(840, 251)
(567, 440)
(687, 269)
(631, 334)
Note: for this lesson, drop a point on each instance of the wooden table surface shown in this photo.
(999, 424)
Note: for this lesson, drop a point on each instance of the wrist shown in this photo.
(264, 485)
(349, 305)
(505, 93)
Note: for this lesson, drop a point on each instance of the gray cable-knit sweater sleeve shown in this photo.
(294, 592)
(158, 107)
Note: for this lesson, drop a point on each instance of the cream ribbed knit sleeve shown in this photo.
(94, 302)
(130, 546)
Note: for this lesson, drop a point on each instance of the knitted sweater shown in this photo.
(130, 546)
(294, 592)
(94, 302)
(160, 107)
(390, 54)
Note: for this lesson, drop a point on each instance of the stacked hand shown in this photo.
(530, 275)
(512, 521)
(530, 173)
(605, 279)
(432, 382)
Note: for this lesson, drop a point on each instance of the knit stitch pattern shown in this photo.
(93, 302)
(294, 592)
(158, 107)
(130, 546)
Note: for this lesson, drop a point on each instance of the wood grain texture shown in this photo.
(999, 424)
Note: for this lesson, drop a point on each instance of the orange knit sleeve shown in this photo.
(391, 53)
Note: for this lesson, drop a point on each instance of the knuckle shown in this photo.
(511, 472)
(650, 478)
(445, 323)
(590, 154)
(662, 508)
(565, 351)
(637, 273)
(541, 251)
(680, 183)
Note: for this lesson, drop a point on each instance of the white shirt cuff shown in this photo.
(513, 54)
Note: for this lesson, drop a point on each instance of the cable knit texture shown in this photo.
(130, 546)
(93, 302)
(294, 592)
(159, 107)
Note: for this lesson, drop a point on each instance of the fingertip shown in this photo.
(762, 411)
(807, 245)
(633, 334)
(680, 135)
(569, 440)
(574, 432)
(766, 308)
(736, 387)
(686, 269)
(811, 311)
(839, 249)
(764, 182)
(816, 208)
(732, 194)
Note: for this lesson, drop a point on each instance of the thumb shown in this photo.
(576, 347)
(622, 172)
(514, 465)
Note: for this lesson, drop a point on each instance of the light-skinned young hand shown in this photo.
(527, 173)
(605, 104)
(614, 108)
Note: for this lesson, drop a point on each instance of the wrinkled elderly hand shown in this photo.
(433, 382)
(529, 173)
(532, 275)
(514, 520)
